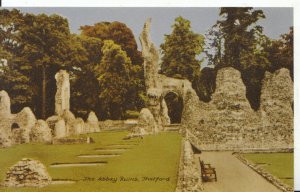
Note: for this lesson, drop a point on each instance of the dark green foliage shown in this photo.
(40, 45)
(123, 36)
(237, 36)
(281, 52)
(115, 80)
(205, 84)
(119, 33)
(180, 51)
(84, 84)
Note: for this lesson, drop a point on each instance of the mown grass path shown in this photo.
(149, 164)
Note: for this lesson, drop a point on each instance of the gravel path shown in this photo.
(233, 175)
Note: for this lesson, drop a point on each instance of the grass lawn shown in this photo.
(154, 156)
(280, 165)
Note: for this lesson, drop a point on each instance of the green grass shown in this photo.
(280, 165)
(155, 156)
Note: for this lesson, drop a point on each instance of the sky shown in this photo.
(277, 21)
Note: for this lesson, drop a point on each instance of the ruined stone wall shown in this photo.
(23, 127)
(229, 122)
(189, 178)
(276, 108)
(158, 85)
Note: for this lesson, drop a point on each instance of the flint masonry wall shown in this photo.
(228, 121)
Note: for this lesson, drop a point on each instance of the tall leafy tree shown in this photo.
(11, 80)
(114, 79)
(123, 36)
(180, 51)
(85, 86)
(41, 45)
(236, 24)
(119, 33)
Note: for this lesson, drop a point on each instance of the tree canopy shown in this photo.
(180, 51)
(114, 77)
(119, 33)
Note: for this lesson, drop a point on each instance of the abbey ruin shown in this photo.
(23, 127)
(227, 122)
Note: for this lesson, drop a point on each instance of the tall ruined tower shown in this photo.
(151, 57)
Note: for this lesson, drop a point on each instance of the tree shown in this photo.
(214, 45)
(180, 51)
(123, 36)
(119, 33)
(41, 45)
(236, 27)
(205, 83)
(280, 52)
(114, 79)
(85, 86)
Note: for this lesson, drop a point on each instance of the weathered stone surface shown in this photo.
(230, 123)
(151, 56)
(68, 116)
(60, 129)
(27, 173)
(92, 123)
(164, 113)
(276, 107)
(51, 123)
(4, 104)
(5, 120)
(189, 179)
(41, 132)
(5, 139)
(75, 127)
(62, 96)
(26, 121)
(147, 121)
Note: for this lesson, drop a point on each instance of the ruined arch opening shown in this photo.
(175, 107)
(15, 126)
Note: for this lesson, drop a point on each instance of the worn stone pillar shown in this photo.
(151, 57)
(62, 96)
(5, 119)
(4, 104)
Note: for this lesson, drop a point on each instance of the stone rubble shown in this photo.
(27, 173)
(41, 132)
(92, 123)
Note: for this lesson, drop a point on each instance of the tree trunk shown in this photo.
(44, 93)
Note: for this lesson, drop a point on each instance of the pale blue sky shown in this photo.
(277, 22)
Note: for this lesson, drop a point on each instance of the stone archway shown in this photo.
(174, 104)
(15, 126)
